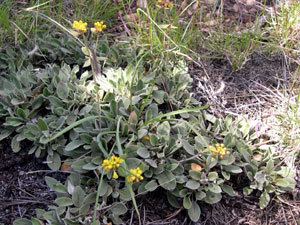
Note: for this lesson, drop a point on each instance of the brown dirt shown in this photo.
(22, 190)
(250, 90)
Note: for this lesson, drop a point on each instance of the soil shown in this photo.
(22, 186)
(251, 90)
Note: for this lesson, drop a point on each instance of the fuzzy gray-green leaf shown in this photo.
(42, 124)
(22, 221)
(151, 185)
(78, 196)
(264, 200)
(62, 90)
(194, 212)
(54, 161)
(167, 180)
(192, 184)
(143, 152)
(232, 169)
(64, 201)
(212, 198)
(119, 208)
(73, 145)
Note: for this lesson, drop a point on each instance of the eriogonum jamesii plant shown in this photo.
(89, 44)
(130, 133)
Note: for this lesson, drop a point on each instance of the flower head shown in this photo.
(80, 26)
(218, 150)
(135, 175)
(98, 27)
(112, 163)
(167, 4)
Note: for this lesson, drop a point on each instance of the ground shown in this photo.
(22, 185)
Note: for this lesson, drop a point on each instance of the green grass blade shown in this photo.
(118, 137)
(4, 17)
(97, 199)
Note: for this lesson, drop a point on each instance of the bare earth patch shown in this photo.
(22, 186)
(250, 91)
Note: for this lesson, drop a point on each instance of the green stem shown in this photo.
(118, 137)
(129, 186)
(97, 199)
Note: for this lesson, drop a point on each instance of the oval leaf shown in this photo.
(194, 212)
(63, 201)
(54, 161)
(143, 152)
(264, 200)
(119, 209)
(22, 222)
(62, 90)
(192, 184)
(73, 145)
(151, 185)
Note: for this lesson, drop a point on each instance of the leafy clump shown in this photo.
(162, 137)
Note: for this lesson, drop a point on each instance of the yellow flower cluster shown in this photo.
(81, 27)
(167, 4)
(98, 27)
(218, 150)
(112, 164)
(135, 175)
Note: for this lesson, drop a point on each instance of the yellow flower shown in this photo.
(135, 175)
(112, 163)
(218, 150)
(167, 4)
(80, 26)
(115, 175)
(98, 27)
